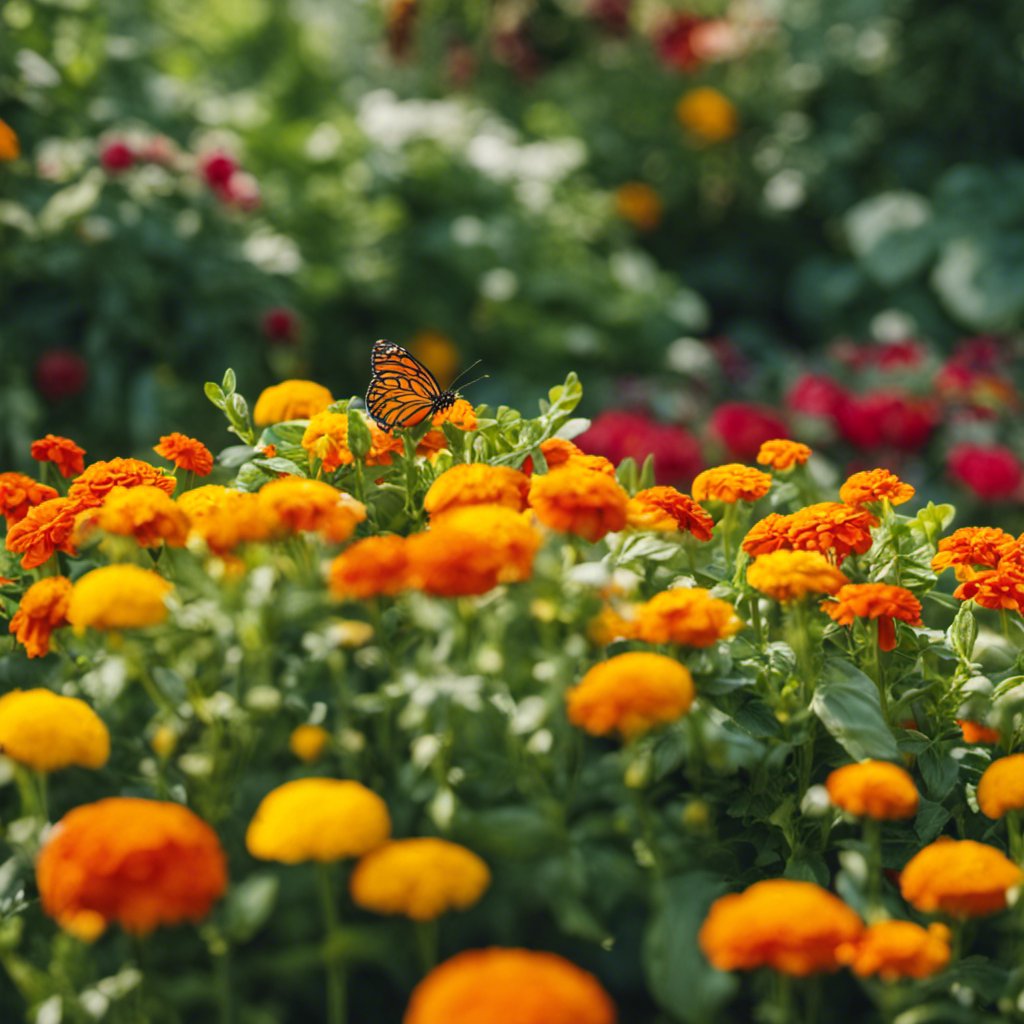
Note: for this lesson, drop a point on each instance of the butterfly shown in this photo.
(402, 391)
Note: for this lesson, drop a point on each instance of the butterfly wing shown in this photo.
(392, 405)
(402, 391)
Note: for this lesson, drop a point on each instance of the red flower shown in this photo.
(744, 428)
(611, 15)
(897, 355)
(674, 42)
(116, 156)
(887, 418)
(280, 324)
(60, 373)
(619, 434)
(217, 169)
(990, 471)
(815, 395)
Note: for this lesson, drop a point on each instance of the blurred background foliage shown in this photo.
(686, 202)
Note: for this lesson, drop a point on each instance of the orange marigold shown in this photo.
(137, 863)
(796, 928)
(421, 878)
(831, 526)
(516, 986)
(1001, 787)
(609, 625)
(731, 483)
(375, 565)
(91, 487)
(688, 616)
(630, 694)
(556, 451)
(597, 463)
(224, 519)
(972, 546)
(668, 510)
(961, 878)
(1001, 587)
(186, 453)
(875, 485)
(19, 493)
(43, 609)
(43, 530)
(64, 453)
(898, 949)
(290, 400)
(881, 601)
(118, 597)
(768, 535)
(873, 789)
(314, 506)
(791, 575)
(477, 483)
(326, 438)
(578, 500)
(201, 500)
(146, 513)
(974, 732)
(783, 454)
(638, 204)
(459, 414)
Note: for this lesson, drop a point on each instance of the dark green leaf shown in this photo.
(846, 701)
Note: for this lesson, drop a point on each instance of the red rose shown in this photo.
(816, 395)
(217, 169)
(887, 419)
(280, 325)
(619, 434)
(116, 157)
(743, 428)
(60, 373)
(990, 471)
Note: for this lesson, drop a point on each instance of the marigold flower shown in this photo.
(91, 487)
(43, 609)
(421, 878)
(314, 506)
(459, 414)
(973, 546)
(44, 731)
(118, 597)
(477, 483)
(19, 493)
(974, 732)
(630, 694)
(669, 510)
(731, 483)
(688, 616)
(317, 819)
(783, 454)
(376, 565)
(290, 400)
(1001, 587)
(326, 438)
(10, 149)
(201, 500)
(873, 789)
(707, 115)
(881, 601)
(556, 451)
(898, 949)
(608, 625)
(791, 575)
(793, 927)
(137, 863)
(831, 526)
(875, 485)
(596, 463)
(307, 742)
(65, 454)
(638, 204)
(580, 501)
(146, 513)
(509, 985)
(961, 878)
(223, 519)
(768, 535)
(44, 529)
(1001, 787)
(186, 453)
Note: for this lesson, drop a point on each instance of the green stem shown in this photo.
(221, 953)
(426, 944)
(336, 974)
(755, 621)
(1013, 828)
(44, 800)
(872, 833)
(727, 523)
(879, 672)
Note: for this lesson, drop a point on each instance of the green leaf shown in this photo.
(846, 702)
(962, 632)
(939, 771)
(249, 904)
(360, 440)
(627, 475)
(215, 395)
(646, 474)
(228, 384)
(931, 522)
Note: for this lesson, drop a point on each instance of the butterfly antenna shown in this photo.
(464, 372)
(473, 381)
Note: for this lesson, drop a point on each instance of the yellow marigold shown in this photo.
(898, 949)
(9, 147)
(668, 510)
(317, 819)
(580, 501)
(974, 732)
(201, 500)
(118, 597)
(307, 742)
(881, 601)
(511, 986)
(783, 454)
(45, 731)
(226, 518)
(89, 489)
(875, 485)
(1001, 788)
(314, 506)
(459, 414)
(19, 493)
(972, 546)
(477, 483)
(638, 204)
(46, 528)
(688, 616)
(961, 878)
(556, 451)
(290, 400)
(43, 609)
(609, 625)
(137, 863)
(437, 352)
(420, 878)
(731, 483)
(630, 694)
(707, 115)
(186, 453)
(1001, 587)
(146, 513)
(791, 575)
(793, 927)
(62, 452)
(873, 789)
(376, 565)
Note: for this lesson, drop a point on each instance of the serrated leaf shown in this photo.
(847, 704)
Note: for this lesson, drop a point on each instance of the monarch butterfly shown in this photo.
(402, 391)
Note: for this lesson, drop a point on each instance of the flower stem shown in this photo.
(336, 975)
(872, 833)
(426, 944)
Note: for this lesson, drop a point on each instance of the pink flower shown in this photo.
(992, 472)
(217, 169)
(743, 428)
(116, 156)
(620, 434)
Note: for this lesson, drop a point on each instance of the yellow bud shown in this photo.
(307, 742)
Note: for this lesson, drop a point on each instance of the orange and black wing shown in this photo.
(402, 391)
